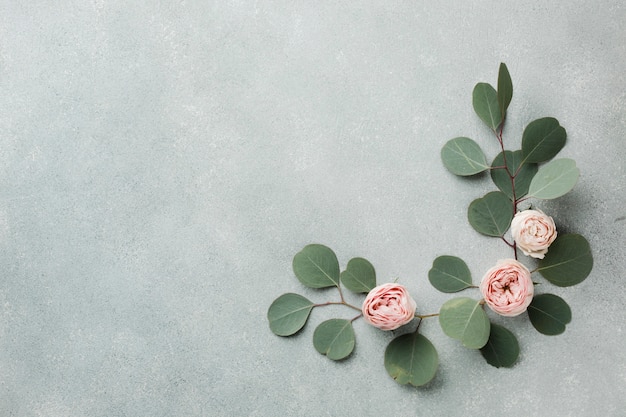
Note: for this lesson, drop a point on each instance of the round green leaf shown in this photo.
(542, 139)
(549, 314)
(464, 319)
(491, 215)
(449, 274)
(463, 156)
(316, 266)
(288, 314)
(522, 177)
(334, 338)
(359, 275)
(486, 106)
(502, 348)
(411, 359)
(505, 89)
(554, 179)
(568, 261)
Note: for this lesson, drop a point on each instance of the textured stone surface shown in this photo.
(162, 162)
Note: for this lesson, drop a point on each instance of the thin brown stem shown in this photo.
(328, 303)
(356, 317)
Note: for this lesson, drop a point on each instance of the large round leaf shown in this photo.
(334, 338)
(568, 261)
(542, 139)
(505, 89)
(522, 178)
(464, 319)
(449, 274)
(502, 348)
(359, 275)
(316, 266)
(486, 106)
(491, 215)
(411, 359)
(463, 156)
(554, 179)
(288, 314)
(549, 314)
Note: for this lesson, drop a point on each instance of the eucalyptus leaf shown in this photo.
(549, 314)
(316, 266)
(502, 348)
(359, 276)
(288, 314)
(462, 156)
(464, 319)
(554, 179)
(411, 359)
(523, 175)
(568, 261)
(334, 338)
(542, 139)
(449, 274)
(491, 215)
(505, 89)
(486, 106)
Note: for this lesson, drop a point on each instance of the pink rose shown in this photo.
(534, 232)
(388, 307)
(507, 288)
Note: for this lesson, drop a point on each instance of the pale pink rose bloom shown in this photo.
(388, 307)
(507, 288)
(534, 232)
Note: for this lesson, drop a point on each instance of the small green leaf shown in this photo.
(505, 89)
(554, 179)
(316, 266)
(288, 314)
(568, 261)
(464, 319)
(359, 276)
(486, 106)
(411, 359)
(491, 215)
(542, 139)
(449, 274)
(462, 156)
(523, 175)
(502, 348)
(549, 314)
(334, 338)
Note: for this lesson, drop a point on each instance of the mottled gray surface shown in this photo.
(162, 162)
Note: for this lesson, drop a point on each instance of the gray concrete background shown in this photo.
(162, 162)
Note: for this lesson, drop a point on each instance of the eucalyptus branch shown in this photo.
(421, 317)
(342, 302)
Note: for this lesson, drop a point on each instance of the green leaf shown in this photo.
(554, 179)
(568, 261)
(334, 338)
(549, 314)
(359, 276)
(316, 266)
(449, 274)
(486, 106)
(491, 215)
(505, 89)
(542, 139)
(464, 319)
(411, 359)
(288, 314)
(522, 179)
(502, 348)
(462, 156)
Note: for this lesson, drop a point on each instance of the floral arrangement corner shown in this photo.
(507, 289)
